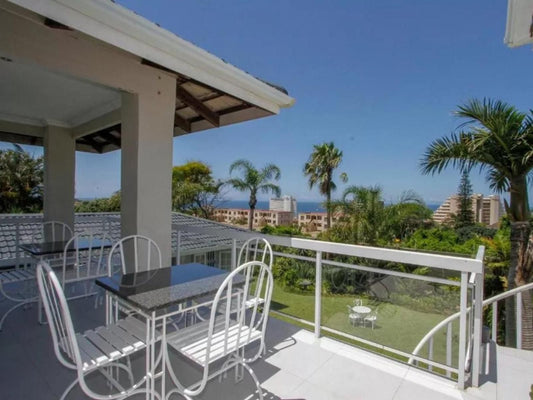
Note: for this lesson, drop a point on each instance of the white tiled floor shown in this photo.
(295, 367)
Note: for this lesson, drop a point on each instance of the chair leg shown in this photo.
(21, 304)
(68, 389)
(252, 374)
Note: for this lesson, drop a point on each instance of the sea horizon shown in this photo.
(301, 206)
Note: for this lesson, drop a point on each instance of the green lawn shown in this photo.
(397, 326)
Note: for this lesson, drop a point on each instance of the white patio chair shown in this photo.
(95, 349)
(353, 317)
(225, 334)
(256, 249)
(358, 302)
(87, 264)
(51, 231)
(133, 254)
(22, 284)
(371, 318)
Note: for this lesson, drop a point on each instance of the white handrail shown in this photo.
(453, 317)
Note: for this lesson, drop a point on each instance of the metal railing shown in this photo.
(469, 335)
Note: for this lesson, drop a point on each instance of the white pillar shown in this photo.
(59, 175)
(147, 132)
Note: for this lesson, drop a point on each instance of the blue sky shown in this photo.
(379, 79)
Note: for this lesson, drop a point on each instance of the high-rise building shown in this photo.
(486, 210)
(284, 203)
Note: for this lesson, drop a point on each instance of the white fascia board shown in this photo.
(120, 27)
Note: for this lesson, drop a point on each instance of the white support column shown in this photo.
(318, 294)
(59, 175)
(147, 133)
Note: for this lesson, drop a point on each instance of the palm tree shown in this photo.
(499, 140)
(254, 181)
(324, 159)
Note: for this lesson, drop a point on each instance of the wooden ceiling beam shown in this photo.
(93, 143)
(182, 123)
(108, 136)
(197, 106)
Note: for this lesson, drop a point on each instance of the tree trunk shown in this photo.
(328, 209)
(520, 261)
(251, 219)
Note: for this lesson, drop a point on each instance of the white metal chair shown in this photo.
(256, 249)
(95, 349)
(139, 253)
(226, 333)
(22, 282)
(358, 302)
(22, 279)
(51, 231)
(371, 318)
(353, 317)
(88, 263)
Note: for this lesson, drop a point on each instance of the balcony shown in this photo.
(313, 350)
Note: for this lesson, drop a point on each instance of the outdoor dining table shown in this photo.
(153, 293)
(361, 310)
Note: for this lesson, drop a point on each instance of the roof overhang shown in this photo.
(209, 92)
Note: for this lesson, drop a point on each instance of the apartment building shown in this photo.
(240, 216)
(315, 221)
(487, 210)
(285, 203)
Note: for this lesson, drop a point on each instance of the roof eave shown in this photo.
(120, 27)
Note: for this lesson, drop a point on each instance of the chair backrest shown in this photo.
(232, 319)
(133, 254)
(58, 316)
(88, 262)
(51, 231)
(256, 249)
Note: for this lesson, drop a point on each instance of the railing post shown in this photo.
(449, 332)
(495, 322)
(519, 320)
(462, 331)
(318, 294)
(178, 248)
(478, 325)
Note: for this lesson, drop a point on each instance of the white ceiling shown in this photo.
(35, 96)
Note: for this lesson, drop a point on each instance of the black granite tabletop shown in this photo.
(47, 248)
(160, 288)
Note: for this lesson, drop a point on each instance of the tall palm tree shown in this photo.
(498, 139)
(254, 181)
(363, 211)
(324, 159)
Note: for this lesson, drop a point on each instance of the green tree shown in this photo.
(254, 181)
(465, 215)
(324, 159)
(498, 139)
(363, 214)
(21, 178)
(106, 204)
(194, 189)
(406, 216)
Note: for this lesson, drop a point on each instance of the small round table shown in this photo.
(361, 310)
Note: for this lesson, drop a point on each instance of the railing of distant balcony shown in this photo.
(470, 270)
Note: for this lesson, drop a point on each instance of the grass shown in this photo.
(397, 327)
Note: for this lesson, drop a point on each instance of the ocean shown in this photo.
(302, 206)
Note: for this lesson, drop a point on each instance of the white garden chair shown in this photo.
(133, 254)
(371, 318)
(21, 280)
(226, 333)
(353, 317)
(94, 350)
(256, 249)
